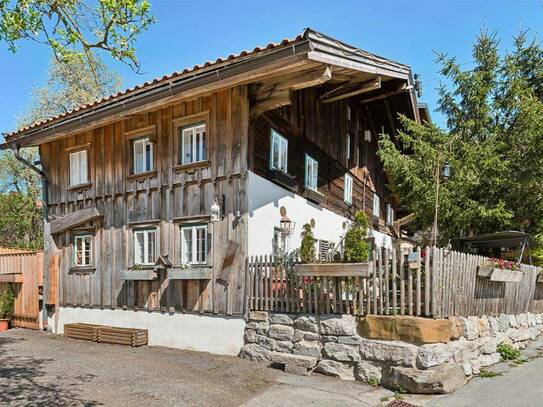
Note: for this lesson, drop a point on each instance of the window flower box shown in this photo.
(500, 274)
(283, 179)
(314, 196)
(335, 269)
(190, 273)
(138, 275)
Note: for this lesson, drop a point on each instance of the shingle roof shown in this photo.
(157, 80)
(328, 43)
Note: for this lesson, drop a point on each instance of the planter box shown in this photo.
(146, 275)
(501, 275)
(335, 269)
(284, 179)
(193, 273)
(314, 196)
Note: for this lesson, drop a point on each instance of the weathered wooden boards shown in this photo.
(25, 271)
(429, 282)
(74, 219)
(106, 334)
(163, 199)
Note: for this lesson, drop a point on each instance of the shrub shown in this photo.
(307, 249)
(507, 352)
(357, 249)
(7, 301)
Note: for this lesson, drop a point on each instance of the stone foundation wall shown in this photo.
(331, 345)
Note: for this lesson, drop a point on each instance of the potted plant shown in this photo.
(354, 262)
(501, 270)
(7, 301)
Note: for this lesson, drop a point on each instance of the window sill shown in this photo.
(80, 186)
(142, 175)
(82, 270)
(142, 267)
(191, 166)
(314, 196)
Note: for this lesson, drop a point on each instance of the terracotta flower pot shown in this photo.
(4, 325)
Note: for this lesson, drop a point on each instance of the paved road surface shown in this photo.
(44, 370)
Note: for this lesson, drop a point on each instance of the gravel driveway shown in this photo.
(45, 370)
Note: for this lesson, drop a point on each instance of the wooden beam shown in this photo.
(11, 278)
(365, 87)
(269, 104)
(402, 89)
(74, 219)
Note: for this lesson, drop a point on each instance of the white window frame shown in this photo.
(348, 189)
(376, 206)
(80, 261)
(138, 249)
(198, 136)
(277, 141)
(79, 168)
(194, 253)
(348, 112)
(390, 214)
(311, 173)
(146, 163)
(348, 147)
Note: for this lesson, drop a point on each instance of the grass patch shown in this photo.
(519, 362)
(488, 373)
(507, 352)
(385, 398)
(373, 381)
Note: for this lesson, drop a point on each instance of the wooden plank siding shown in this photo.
(320, 130)
(158, 199)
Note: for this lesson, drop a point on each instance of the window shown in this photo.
(194, 244)
(311, 173)
(348, 113)
(144, 246)
(348, 189)
(78, 168)
(348, 147)
(193, 143)
(83, 250)
(390, 214)
(143, 155)
(279, 152)
(376, 206)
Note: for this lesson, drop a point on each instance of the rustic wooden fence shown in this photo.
(430, 282)
(24, 271)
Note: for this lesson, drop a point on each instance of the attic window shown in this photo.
(143, 155)
(278, 152)
(78, 168)
(193, 143)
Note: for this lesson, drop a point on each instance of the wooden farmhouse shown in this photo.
(156, 196)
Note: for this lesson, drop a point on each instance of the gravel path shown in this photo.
(39, 369)
(42, 369)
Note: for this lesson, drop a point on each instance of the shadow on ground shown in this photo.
(23, 381)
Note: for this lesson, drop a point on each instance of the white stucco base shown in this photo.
(203, 333)
(265, 199)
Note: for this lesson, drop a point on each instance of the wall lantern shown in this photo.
(286, 226)
(215, 210)
(446, 171)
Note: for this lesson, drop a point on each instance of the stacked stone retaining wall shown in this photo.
(331, 345)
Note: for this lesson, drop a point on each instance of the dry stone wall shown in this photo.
(331, 345)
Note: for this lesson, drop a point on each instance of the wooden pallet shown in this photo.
(87, 332)
(106, 334)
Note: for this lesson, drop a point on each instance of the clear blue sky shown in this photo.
(189, 32)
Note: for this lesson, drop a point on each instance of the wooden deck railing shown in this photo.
(440, 283)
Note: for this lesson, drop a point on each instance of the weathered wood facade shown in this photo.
(164, 198)
(302, 88)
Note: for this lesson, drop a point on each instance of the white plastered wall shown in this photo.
(265, 200)
(203, 333)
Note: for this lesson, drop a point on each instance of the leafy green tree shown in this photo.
(493, 144)
(307, 248)
(357, 249)
(68, 85)
(76, 28)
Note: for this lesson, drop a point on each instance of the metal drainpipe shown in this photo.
(45, 212)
